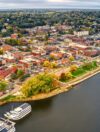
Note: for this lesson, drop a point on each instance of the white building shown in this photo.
(81, 33)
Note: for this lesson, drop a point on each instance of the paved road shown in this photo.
(16, 89)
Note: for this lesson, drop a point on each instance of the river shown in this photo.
(75, 111)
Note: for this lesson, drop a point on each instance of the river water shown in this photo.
(75, 111)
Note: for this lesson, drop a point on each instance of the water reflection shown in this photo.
(42, 104)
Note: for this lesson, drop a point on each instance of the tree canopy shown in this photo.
(41, 83)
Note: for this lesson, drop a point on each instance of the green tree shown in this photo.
(3, 85)
(11, 41)
(20, 73)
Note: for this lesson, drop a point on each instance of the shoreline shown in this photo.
(67, 86)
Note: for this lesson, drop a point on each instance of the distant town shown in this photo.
(45, 51)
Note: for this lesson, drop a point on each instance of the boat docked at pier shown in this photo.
(19, 112)
(6, 125)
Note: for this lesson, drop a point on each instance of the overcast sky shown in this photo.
(12, 4)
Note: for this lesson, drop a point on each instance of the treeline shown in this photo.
(76, 71)
(79, 20)
(46, 82)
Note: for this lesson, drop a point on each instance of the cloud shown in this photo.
(49, 4)
(57, 1)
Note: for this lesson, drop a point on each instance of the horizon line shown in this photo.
(50, 8)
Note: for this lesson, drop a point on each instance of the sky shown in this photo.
(15, 4)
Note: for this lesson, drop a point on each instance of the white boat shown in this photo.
(6, 125)
(19, 112)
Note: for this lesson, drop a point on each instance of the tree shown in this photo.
(62, 77)
(46, 37)
(1, 51)
(66, 76)
(71, 58)
(73, 68)
(69, 75)
(70, 31)
(10, 30)
(46, 64)
(14, 76)
(41, 83)
(23, 77)
(53, 64)
(3, 85)
(11, 41)
(20, 73)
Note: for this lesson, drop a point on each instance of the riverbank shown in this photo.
(64, 88)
